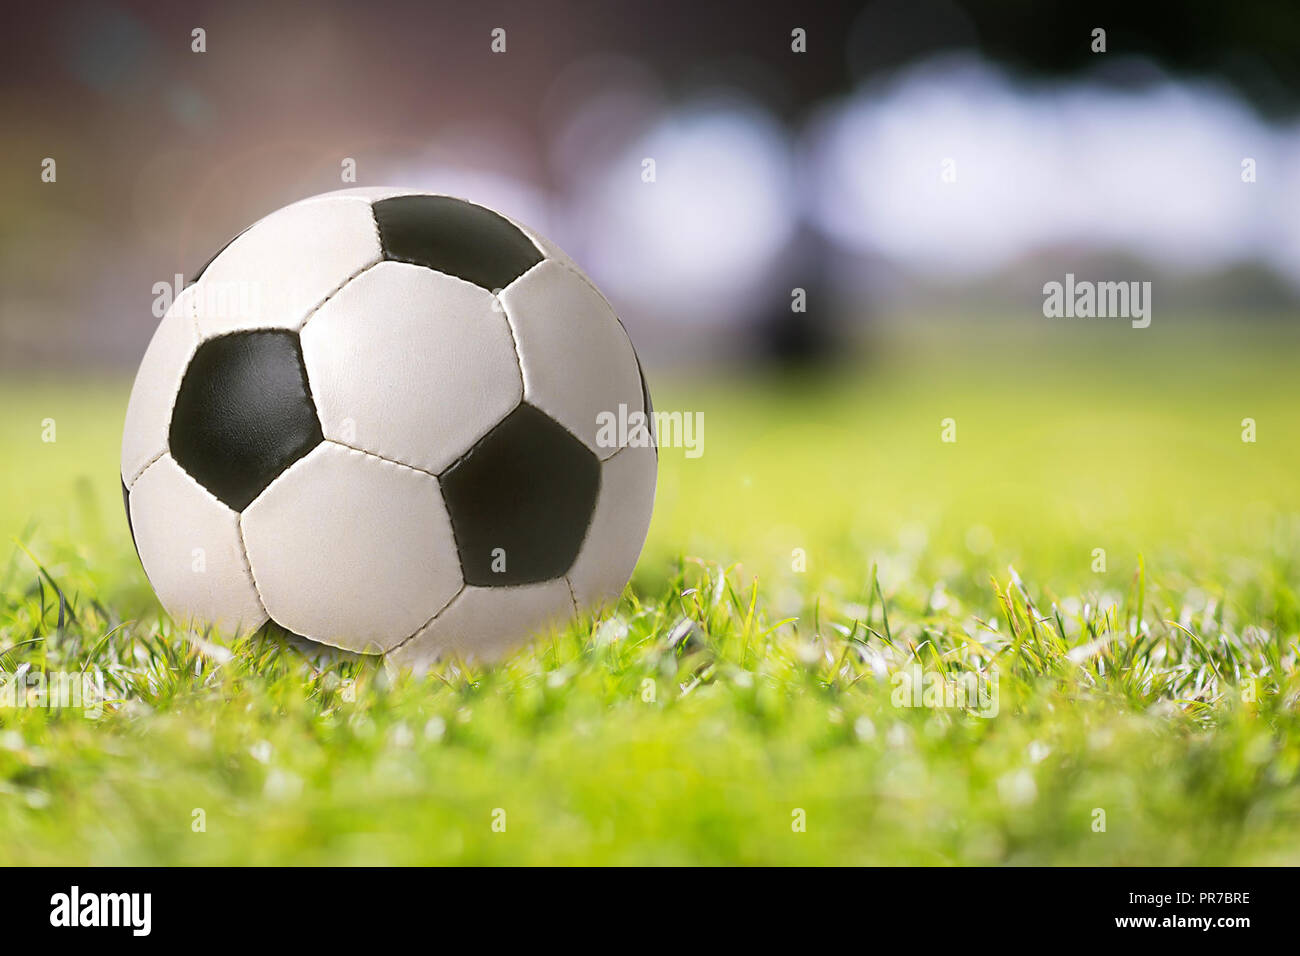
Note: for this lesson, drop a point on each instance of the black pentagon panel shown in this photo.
(455, 237)
(243, 414)
(520, 500)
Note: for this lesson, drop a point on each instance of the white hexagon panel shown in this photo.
(578, 362)
(411, 364)
(393, 444)
(626, 501)
(484, 623)
(276, 272)
(350, 550)
(149, 410)
(196, 564)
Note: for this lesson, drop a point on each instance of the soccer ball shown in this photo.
(376, 418)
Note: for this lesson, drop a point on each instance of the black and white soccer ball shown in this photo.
(376, 419)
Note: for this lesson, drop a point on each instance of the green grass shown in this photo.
(731, 691)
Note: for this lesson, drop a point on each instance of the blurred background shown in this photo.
(774, 169)
(918, 168)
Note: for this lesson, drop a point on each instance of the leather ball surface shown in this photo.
(378, 418)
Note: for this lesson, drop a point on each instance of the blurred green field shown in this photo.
(825, 541)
